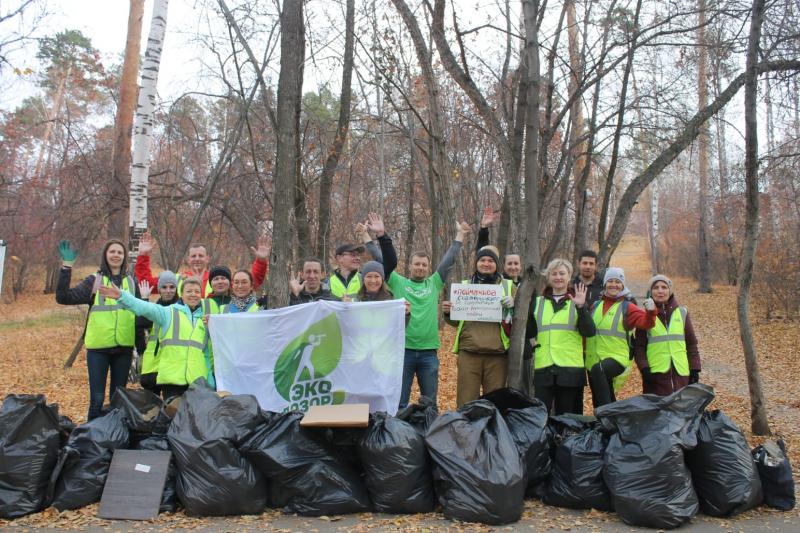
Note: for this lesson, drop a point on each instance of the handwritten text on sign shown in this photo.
(480, 303)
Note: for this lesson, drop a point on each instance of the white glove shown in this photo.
(649, 304)
(507, 302)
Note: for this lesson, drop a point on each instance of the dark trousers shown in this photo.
(601, 380)
(560, 400)
(148, 382)
(425, 364)
(168, 391)
(99, 364)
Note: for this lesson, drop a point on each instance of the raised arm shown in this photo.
(450, 255)
(259, 268)
(488, 219)
(142, 269)
(157, 313)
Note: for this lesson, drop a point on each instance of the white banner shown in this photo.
(320, 353)
(476, 302)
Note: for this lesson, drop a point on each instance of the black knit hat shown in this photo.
(487, 252)
(220, 270)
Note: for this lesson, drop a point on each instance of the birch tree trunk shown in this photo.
(290, 86)
(123, 123)
(758, 408)
(143, 125)
(704, 261)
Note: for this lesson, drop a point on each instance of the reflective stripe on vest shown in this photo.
(667, 345)
(150, 355)
(181, 351)
(611, 339)
(507, 288)
(338, 289)
(559, 341)
(211, 307)
(109, 325)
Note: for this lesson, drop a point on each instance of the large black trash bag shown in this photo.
(169, 498)
(723, 472)
(644, 467)
(775, 472)
(214, 479)
(527, 419)
(420, 415)
(144, 412)
(478, 473)
(83, 464)
(576, 480)
(29, 443)
(308, 475)
(397, 466)
(65, 423)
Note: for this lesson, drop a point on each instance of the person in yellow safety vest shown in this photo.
(168, 295)
(220, 295)
(608, 353)
(243, 299)
(556, 329)
(345, 280)
(482, 346)
(667, 355)
(110, 331)
(183, 338)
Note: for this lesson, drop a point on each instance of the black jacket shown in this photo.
(307, 297)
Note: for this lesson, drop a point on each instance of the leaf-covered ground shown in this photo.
(37, 335)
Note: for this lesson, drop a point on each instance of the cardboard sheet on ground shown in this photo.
(134, 485)
(354, 415)
(321, 353)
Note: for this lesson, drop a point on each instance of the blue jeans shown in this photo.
(425, 364)
(99, 363)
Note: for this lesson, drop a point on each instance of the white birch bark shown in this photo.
(143, 120)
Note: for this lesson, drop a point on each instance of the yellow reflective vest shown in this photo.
(666, 345)
(109, 325)
(611, 340)
(507, 288)
(181, 350)
(150, 355)
(338, 288)
(558, 339)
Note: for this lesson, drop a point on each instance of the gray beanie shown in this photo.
(373, 266)
(165, 277)
(660, 277)
(614, 273)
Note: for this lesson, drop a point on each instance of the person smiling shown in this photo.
(110, 330)
(608, 353)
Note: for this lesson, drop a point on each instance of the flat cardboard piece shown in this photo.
(349, 415)
(134, 485)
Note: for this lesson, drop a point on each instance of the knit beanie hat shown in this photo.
(166, 277)
(221, 270)
(373, 266)
(660, 277)
(486, 251)
(614, 273)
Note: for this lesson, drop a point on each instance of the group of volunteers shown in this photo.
(586, 324)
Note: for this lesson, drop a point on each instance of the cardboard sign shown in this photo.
(134, 485)
(353, 415)
(476, 302)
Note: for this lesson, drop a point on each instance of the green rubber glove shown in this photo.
(67, 252)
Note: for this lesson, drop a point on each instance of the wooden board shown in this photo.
(134, 485)
(351, 415)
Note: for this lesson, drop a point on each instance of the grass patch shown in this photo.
(52, 319)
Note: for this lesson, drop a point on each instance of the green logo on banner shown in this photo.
(304, 363)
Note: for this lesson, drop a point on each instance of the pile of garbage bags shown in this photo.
(656, 461)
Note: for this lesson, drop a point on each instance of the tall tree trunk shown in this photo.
(52, 117)
(143, 125)
(342, 127)
(758, 408)
(652, 229)
(703, 256)
(290, 87)
(517, 376)
(123, 123)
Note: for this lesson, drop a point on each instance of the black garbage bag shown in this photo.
(397, 466)
(527, 419)
(214, 479)
(723, 472)
(478, 473)
(29, 443)
(775, 472)
(83, 464)
(420, 415)
(65, 423)
(144, 412)
(576, 480)
(562, 426)
(644, 467)
(169, 498)
(308, 474)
